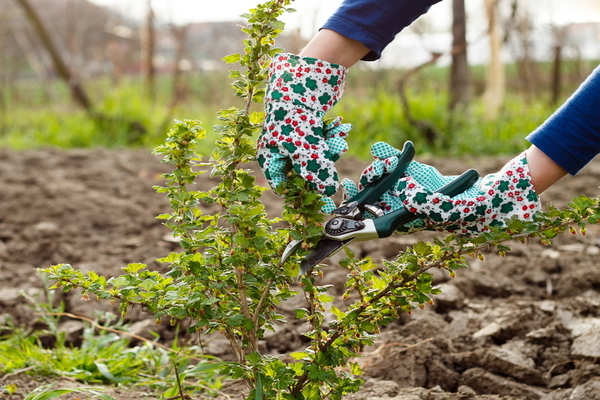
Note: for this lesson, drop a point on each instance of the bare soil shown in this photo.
(522, 327)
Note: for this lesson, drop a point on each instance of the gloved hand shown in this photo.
(490, 201)
(299, 93)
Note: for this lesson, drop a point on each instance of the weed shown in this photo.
(105, 356)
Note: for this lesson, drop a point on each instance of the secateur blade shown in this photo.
(290, 249)
(323, 249)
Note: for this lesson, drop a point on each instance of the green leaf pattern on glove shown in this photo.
(496, 197)
(300, 91)
(491, 200)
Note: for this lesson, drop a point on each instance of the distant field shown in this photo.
(34, 117)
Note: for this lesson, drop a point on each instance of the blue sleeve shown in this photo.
(375, 23)
(571, 136)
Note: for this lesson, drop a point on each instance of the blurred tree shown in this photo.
(78, 93)
(518, 33)
(495, 79)
(560, 34)
(32, 56)
(178, 86)
(460, 80)
(427, 128)
(148, 49)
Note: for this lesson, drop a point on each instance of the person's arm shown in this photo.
(330, 46)
(568, 140)
(375, 23)
(544, 171)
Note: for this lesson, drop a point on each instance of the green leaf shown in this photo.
(378, 283)
(422, 248)
(259, 395)
(299, 355)
(580, 203)
(298, 368)
(134, 267)
(355, 369)
(11, 388)
(49, 394)
(254, 358)
(325, 298)
(337, 312)
(105, 371)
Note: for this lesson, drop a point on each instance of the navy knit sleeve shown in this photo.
(375, 23)
(571, 136)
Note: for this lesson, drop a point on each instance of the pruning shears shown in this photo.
(349, 222)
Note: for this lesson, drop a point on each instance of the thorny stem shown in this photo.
(244, 304)
(300, 383)
(249, 101)
(182, 395)
(263, 296)
(234, 344)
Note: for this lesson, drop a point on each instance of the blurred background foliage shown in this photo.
(126, 80)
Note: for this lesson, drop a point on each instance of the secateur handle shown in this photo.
(387, 224)
(374, 190)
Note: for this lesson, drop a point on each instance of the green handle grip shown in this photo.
(374, 190)
(389, 223)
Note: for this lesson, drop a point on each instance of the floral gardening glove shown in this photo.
(490, 201)
(299, 93)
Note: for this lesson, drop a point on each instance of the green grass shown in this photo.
(32, 118)
(29, 118)
(108, 359)
(382, 117)
(105, 357)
